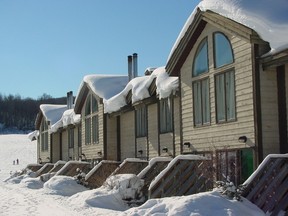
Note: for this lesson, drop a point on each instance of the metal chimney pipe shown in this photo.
(135, 65)
(130, 67)
(69, 99)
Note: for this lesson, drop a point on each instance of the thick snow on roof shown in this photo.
(269, 19)
(53, 112)
(33, 135)
(140, 89)
(68, 118)
(105, 86)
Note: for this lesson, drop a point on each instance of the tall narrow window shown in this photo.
(141, 121)
(71, 137)
(91, 121)
(225, 96)
(223, 54)
(200, 65)
(201, 102)
(79, 137)
(44, 135)
(166, 123)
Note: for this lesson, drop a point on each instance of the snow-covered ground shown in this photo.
(63, 196)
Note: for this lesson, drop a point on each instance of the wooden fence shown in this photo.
(267, 187)
(71, 167)
(97, 176)
(184, 175)
(131, 166)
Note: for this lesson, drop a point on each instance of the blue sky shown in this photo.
(49, 46)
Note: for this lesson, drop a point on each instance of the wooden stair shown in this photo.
(148, 174)
(44, 169)
(70, 168)
(97, 176)
(185, 175)
(267, 187)
(131, 166)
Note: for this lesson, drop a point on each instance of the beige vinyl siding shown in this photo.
(152, 130)
(55, 147)
(111, 138)
(224, 135)
(91, 150)
(127, 128)
(269, 111)
(65, 153)
(141, 144)
(166, 141)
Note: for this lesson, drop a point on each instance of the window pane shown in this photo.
(222, 50)
(201, 60)
(230, 95)
(87, 130)
(71, 138)
(197, 103)
(169, 114)
(165, 116)
(94, 105)
(205, 101)
(88, 106)
(95, 129)
(220, 97)
(141, 126)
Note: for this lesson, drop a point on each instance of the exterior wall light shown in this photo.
(165, 149)
(140, 152)
(99, 153)
(187, 144)
(242, 139)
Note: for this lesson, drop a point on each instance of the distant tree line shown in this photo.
(18, 113)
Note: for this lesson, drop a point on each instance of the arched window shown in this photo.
(200, 86)
(91, 121)
(201, 59)
(223, 53)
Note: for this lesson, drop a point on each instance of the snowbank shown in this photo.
(63, 185)
(208, 203)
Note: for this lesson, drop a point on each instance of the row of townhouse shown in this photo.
(222, 94)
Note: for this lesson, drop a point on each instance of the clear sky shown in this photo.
(48, 46)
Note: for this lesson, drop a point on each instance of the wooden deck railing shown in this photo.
(183, 176)
(44, 169)
(131, 166)
(267, 187)
(70, 168)
(148, 174)
(57, 166)
(97, 176)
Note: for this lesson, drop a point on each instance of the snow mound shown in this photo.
(32, 183)
(63, 185)
(117, 193)
(207, 203)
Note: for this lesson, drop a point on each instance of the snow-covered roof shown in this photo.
(268, 18)
(140, 89)
(68, 118)
(53, 112)
(105, 86)
(33, 135)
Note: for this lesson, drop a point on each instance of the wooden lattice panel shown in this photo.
(97, 176)
(268, 185)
